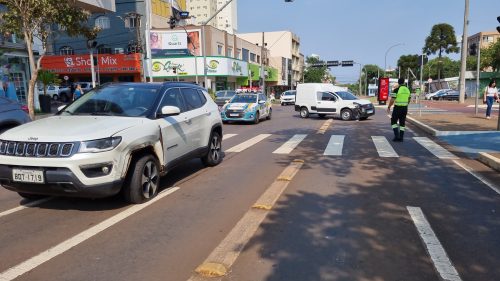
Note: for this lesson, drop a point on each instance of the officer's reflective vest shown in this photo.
(403, 96)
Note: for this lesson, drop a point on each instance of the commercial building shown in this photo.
(284, 48)
(483, 38)
(231, 62)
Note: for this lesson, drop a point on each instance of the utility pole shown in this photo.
(262, 71)
(464, 54)
(139, 44)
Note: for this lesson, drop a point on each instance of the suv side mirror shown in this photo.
(262, 102)
(169, 110)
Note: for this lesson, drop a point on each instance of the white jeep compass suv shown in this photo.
(119, 137)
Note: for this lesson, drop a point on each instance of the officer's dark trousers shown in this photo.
(399, 114)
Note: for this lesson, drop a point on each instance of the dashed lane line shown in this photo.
(228, 136)
(55, 251)
(436, 251)
(244, 145)
(225, 254)
(290, 145)
(25, 206)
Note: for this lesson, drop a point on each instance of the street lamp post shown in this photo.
(463, 63)
(385, 59)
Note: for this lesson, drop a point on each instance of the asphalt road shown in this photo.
(340, 217)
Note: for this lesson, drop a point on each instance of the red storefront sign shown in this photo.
(81, 64)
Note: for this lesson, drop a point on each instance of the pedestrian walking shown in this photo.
(490, 95)
(400, 97)
(78, 92)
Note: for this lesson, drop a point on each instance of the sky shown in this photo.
(363, 30)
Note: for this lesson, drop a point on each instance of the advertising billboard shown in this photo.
(175, 43)
(186, 66)
(107, 63)
(383, 90)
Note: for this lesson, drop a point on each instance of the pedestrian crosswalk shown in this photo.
(335, 145)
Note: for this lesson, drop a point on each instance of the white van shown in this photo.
(323, 99)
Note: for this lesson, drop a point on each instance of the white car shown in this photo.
(430, 95)
(326, 99)
(52, 91)
(288, 97)
(121, 137)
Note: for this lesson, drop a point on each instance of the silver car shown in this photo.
(12, 114)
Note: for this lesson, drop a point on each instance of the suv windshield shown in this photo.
(115, 100)
(245, 98)
(346, 96)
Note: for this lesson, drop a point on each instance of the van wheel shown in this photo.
(257, 118)
(304, 113)
(143, 181)
(270, 114)
(346, 114)
(214, 154)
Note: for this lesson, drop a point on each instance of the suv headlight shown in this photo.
(100, 145)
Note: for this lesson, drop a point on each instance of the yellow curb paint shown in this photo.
(324, 127)
(284, 179)
(298, 161)
(262, 207)
(220, 260)
(211, 269)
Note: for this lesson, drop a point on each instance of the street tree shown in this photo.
(315, 74)
(47, 78)
(445, 67)
(408, 62)
(491, 56)
(442, 39)
(30, 19)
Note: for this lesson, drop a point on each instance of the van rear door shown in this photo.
(326, 102)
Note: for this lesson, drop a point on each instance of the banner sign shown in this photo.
(107, 63)
(167, 43)
(186, 66)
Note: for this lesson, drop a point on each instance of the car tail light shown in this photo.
(25, 108)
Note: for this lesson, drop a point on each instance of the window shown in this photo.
(172, 98)
(238, 54)
(258, 59)
(252, 57)
(219, 49)
(191, 98)
(245, 54)
(132, 22)
(229, 51)
(66, 50)
(103, 49)
(203, 98)
(347, 96)
(102, 22)
(326, 96)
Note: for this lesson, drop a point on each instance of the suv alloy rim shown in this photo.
(215, 148)
(149, 180)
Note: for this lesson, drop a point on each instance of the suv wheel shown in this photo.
(270, 114)
(214, 154)
(304, 113)
(143, 181)
(346, 114)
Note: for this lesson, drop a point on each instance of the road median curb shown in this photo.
(428, 129)
(489, 160)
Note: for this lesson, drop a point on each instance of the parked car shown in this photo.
(12, 114)
(221, 97)
(119, 138)
(324, 99)
(65, 93)
(451, 95)
(52, 91)
(249, 107)
(430, 95)
(288, 97)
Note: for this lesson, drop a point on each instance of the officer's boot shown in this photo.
(396, 134)
(401, 135)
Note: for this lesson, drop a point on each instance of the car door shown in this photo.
(195, 116)
(326, 103)
(262, 103)
(174, 129)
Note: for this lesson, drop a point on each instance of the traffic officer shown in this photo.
(400, 98)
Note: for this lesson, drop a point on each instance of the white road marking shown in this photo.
(334, 147)
(383, 147)
(290, 145)
(51, 253)
(244, 145)
(25, 206)
(438, 255)
(228, 136)
(478, 176)
(435, 148)
(225, 254)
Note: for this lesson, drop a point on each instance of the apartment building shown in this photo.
(284, 48)
(483, 38)
(202, 10)
(227, 19)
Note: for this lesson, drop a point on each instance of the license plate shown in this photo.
(31, 176)
(369, 111)
(234, 115)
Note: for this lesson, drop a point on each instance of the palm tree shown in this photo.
(47, 78)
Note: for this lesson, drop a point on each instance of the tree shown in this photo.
(442, 39)
(47, 78)
(409, 62)
(445, 67)
(491, 56)
(33, 18)
(315, 74)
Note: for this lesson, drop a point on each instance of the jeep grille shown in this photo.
(30, 149)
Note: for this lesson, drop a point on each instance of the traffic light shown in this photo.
(172, 22)
(473, 49)
(498, 27)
